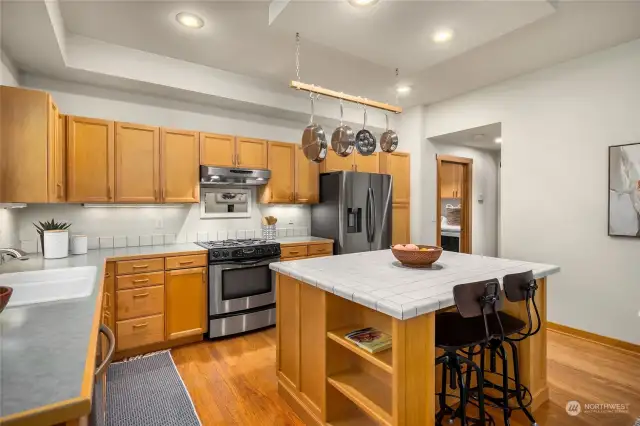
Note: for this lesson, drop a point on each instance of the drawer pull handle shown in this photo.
(144, 324)
(186, 262)
(294, 252)
(141, 295)
(144, 280)
(140, 266)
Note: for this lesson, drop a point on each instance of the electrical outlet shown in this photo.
(159, 223)
(290, 221)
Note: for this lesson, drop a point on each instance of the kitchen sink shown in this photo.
(48, 286)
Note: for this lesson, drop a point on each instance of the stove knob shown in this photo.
(216, 254)
(225, 253)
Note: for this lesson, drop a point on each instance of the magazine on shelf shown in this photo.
(370, 339)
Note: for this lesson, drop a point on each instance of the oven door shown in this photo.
(241, 285)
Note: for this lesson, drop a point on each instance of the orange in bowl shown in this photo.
(422, 257)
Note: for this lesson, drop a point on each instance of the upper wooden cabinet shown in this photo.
(397, 164)
(334, 163)
(137, 163)
(217, 150)
(58, 173)
(251, 153)
(306, 179)
(280, 188)
(31, 148)
(186, 299)
(179, 166)
(451, 178)
(366, 163)
(90, 160)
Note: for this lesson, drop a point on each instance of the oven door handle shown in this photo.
(247, 262)
(112, 348)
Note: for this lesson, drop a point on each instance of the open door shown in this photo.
(454, 203)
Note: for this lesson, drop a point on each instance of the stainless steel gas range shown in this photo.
(242, 294)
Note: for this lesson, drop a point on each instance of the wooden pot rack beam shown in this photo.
(339, 95)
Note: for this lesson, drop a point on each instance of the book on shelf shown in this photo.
(370, 339)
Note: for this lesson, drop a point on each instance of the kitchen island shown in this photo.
(328, 380)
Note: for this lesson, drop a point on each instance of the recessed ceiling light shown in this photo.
(403, 90)
(442, 36)
(363, 2)
(190, 20)
(498, 140)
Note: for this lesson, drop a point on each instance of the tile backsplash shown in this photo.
(108, 227)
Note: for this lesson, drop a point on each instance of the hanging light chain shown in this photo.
(298, 56)
(397, 82)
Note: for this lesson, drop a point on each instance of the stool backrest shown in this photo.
(522, 287)
(478, 298)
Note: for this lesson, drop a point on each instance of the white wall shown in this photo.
(179, 223)
(556, 126)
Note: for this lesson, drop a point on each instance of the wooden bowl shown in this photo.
(5, 295)
(418, 259)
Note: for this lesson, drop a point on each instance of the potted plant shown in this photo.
(52, 225)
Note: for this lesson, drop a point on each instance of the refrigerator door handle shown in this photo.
(368, 215)
(373, 215)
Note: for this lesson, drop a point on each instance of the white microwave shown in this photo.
(228, 202)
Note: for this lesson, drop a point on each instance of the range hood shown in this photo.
(217, 176)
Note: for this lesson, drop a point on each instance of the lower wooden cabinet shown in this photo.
(186, 291)
(139, 332)
(305, 250)
(401, 224)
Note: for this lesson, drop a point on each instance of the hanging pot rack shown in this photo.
(311, 88)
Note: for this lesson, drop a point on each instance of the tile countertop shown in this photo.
(377, 280)
(44, 346)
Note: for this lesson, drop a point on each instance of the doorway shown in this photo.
(453, 203)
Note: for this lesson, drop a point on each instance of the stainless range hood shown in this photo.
(217, 176)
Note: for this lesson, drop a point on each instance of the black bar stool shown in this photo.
(506, 330)
(458, 334)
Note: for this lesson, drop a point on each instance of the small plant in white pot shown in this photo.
(58, 244)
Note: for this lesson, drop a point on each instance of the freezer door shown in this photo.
(381, 189)
(353, 206)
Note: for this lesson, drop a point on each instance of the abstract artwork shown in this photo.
(624, 190)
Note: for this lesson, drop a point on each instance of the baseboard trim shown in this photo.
(596, 338)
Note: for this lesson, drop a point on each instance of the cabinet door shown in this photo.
(251, 153)
(458, 179)
(401, 226)
(447, 180)
(186, 302)
(282, 165)
(179, 166)
(397, 165)
(57, 154)
(137, 163)
(217, 150)
(334, 163)
(90, 160)
(306, 179)
(368, 163)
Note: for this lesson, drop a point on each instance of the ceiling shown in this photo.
(482, 137)
(345, 48)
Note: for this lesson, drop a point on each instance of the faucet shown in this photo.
(15, 253)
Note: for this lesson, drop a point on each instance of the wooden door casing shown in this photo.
(251, 153)
(137, 163)
(307, 179)
(186, 302)
(90, 160)
(179, 166)
(217, 150)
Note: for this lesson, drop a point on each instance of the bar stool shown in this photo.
(506, 330)
(478, 306)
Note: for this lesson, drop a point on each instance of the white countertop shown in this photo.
(377, 280)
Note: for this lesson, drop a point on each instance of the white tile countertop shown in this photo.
(377, 280)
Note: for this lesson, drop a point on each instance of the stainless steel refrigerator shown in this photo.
(354, 210)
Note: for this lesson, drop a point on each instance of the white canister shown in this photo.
(56, 244)
(78, 244)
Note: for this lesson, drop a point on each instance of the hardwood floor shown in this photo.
(233, 382)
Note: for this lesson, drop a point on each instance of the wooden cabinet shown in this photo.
(334, 163)
(251, 153)
(366, 163)
(401, 224)
(217, 150)
(31, 148)
(451, 179)
(58, 169)
(108, 298)
(307, 173)
(304, 250)
(137, 163)
(179, 166)
(397, 164)
(90, 160)
(186, 292)
(281, 161)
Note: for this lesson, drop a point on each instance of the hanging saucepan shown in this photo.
(314, 141)
(343, 139)
(365, 141)
(389, 139)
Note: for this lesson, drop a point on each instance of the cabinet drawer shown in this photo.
(124, 282)
(139, 332)
(193, 261)
(137, 266)
(320, 249)
(140, 302)
(293, 251)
